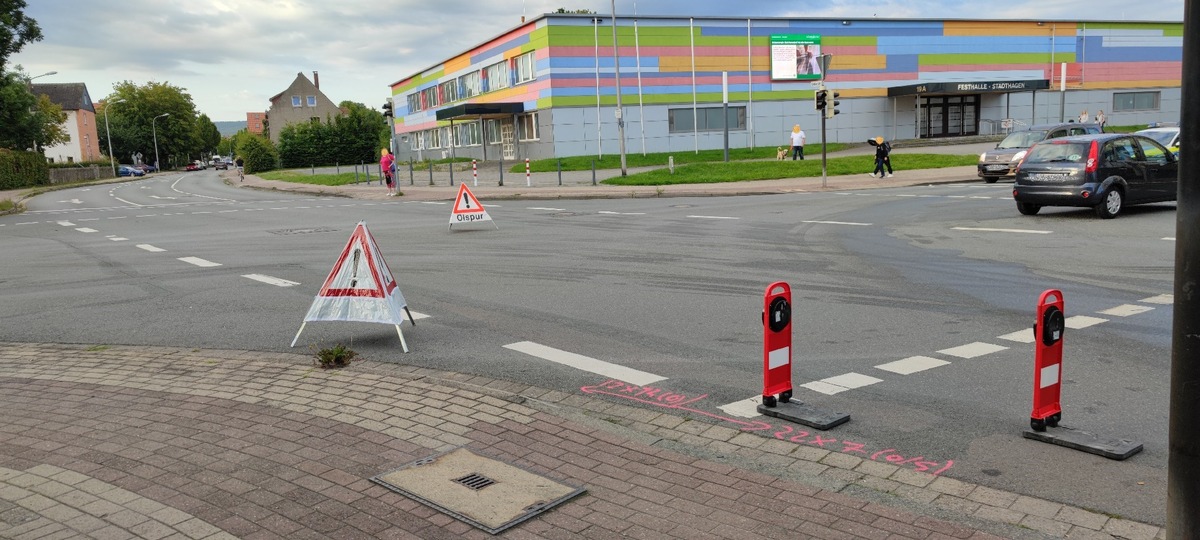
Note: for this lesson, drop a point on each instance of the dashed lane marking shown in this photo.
(150, 248)
(841, 383)
(743, 408)
(713, 217)
(545, 208)
(1160, 299)
(270, 280)
(83, 229)
(986, 229)
(837, 223)
(591, 365)
(912, 364)
(973, 350)
(1083, 321)
(1020, 336)
(116, 238)
(1169, 238)
(199, 262)
(65, 223)
(1126, 310)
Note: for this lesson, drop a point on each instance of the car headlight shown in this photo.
(1019, 155)
(983, 157)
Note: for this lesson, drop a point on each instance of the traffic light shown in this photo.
(831, 108)
(387, 109)
(819, 96)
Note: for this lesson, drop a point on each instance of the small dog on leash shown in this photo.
(781, 153)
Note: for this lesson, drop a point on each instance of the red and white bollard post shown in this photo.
(777, 343)
(527, 181)
(1047, 372)
(475, 172)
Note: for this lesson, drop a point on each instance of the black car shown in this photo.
(1106, 171)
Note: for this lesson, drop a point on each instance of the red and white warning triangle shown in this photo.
(359, 288)
(467, 208)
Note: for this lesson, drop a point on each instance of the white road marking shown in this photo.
(199, 262)
(841, 383)
(116, 238)
(824, 388)
(150, 248)
(1020, 336)
(227, 211)
(979, 197)
(269, 280)
(418, 315)
(985, 229)
(422, 202)
(65, 224)
(743, 408)
(1160, 299)
(130, 203)
(591, 365)
(1126, 310)
(545, 208)
(157, 197)
(912, 364)
(194, 213)
(146, 215)
(714, 217)
(90, 219)
(27, 223)
(836, 222)
(1083, 321)
(118, 217)
(972, 350)
(83, 229)
(905, 195)
(956, 196)
(611, 213)
(1169, 238)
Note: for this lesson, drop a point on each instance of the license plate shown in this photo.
(997, 167)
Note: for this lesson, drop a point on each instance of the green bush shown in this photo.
(22, 170)
(258, 154)
(74, 164)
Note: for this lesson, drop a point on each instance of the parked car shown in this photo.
(1166, 136)
(192, 167)
(1106, 171)
(146, 168)
(1002, 161)
(128, 170)
(221, 165)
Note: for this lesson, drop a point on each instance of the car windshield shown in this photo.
(1163, 137)
(1058, 152)
(1022, 139)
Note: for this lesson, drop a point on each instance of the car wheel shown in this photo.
(1111, 204)
(1027, 209)
(991, 179)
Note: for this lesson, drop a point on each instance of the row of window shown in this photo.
(468, 133)
(497, 76)
(312, 101)
(1135, 101)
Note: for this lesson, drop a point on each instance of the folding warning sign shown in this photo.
(467, 208)
(360, 288)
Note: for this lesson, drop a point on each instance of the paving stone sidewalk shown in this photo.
(149, 442)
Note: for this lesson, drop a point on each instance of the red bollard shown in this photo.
(475, 172)
(1047, 371)
(777, 343)
(527, 183)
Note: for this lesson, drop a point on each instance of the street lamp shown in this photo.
(111, 161)
(155, 132)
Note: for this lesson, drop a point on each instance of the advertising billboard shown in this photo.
(795, 57)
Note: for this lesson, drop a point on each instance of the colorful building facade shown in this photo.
(548, 87)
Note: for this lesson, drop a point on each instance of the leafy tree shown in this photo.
(16, 29)
(207, 136)
(136, 122)
(351, 138)
(26, 119)
(257, 153)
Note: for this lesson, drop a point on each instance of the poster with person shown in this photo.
(795, 57)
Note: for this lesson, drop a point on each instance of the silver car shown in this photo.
(1003, 160)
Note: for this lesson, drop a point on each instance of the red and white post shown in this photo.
(777, 343)
(1047, 371)
(527, 181)
(475, 172)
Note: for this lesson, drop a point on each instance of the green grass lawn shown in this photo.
(305, 176)
(636, 159)
(770, 170)
(6, 205)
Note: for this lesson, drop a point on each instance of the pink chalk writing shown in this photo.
(667, 399)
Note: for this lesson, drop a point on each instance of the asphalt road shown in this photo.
(943, 277)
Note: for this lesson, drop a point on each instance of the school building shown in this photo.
(548, 87)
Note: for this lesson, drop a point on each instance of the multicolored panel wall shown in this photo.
(663, 59)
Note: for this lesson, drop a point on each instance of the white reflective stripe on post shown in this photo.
(778, 357)
(475, 172)
(1049, 376)
(527, 183)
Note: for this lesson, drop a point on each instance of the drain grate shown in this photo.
(475, 481)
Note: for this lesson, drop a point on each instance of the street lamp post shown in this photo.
(155, 132)
(29, 81)
(108, 135)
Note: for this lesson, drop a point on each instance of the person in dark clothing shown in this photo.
(883, 157)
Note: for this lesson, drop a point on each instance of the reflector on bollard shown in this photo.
(1047, 373)
(777, 343)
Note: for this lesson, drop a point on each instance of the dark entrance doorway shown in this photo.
(949, 116)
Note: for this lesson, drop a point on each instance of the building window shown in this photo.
(429, 98)
(528, 126)
(434, 139)
(525, 67)
(312, 101)
(449, 91)
(492, 130)
(295, 101)
(497, 76)
(1135, 101)
(414, 103)
(466, 134)
(470, 85)
(707, 118)
(315, 119)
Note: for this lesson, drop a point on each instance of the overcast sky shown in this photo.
(231, 56)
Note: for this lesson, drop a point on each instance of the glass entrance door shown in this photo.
(949, 116)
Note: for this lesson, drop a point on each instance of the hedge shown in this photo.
(23, 169)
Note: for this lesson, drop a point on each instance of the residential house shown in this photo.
(81, 122)
(255, 122)
(301, 102)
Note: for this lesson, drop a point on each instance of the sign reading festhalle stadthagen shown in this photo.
(969, 87)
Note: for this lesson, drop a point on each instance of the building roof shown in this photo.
(69, 96)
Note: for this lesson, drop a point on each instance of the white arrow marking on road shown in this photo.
(150, 248)
(269, 280)
(591, 365)
(985, 229)
(199, 262)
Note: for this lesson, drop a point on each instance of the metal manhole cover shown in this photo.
(484, 492)
(310, 230)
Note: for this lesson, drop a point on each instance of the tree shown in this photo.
(257, 153)
(348, 139)
(16, 29)
(207, 136)
(26, 119)
(136, 122)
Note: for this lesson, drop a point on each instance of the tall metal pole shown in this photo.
(1183, 460)
(617, 71)
(725, 109)
(155, 132)
(111, 161)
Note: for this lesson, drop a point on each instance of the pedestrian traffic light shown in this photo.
(820, 99)
(831, 108)
(387, 109)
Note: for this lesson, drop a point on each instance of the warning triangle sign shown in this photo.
(359, 288)
(467, 208)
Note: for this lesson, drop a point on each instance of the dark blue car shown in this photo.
(1106, 172)
(126, 170)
